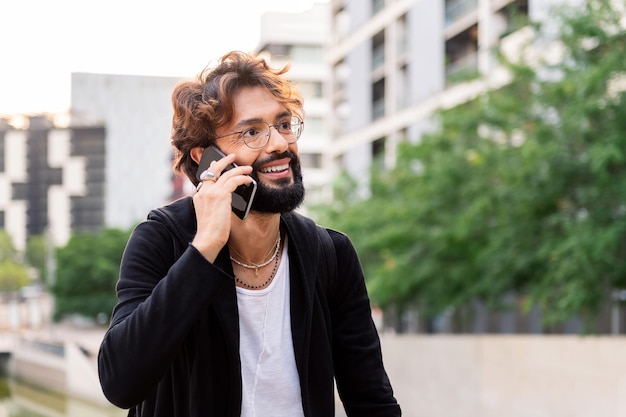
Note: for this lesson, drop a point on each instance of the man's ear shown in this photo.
(196, 153)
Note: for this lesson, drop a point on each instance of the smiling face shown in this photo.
(276, 165)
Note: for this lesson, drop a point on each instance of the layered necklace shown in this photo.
(262, 285)
(256, 267)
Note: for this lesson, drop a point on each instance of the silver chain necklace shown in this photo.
(262, 264)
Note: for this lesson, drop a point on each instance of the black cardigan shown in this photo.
(172, 349)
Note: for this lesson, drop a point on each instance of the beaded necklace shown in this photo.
(256, 287)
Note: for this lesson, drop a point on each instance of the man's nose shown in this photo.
(276, 141)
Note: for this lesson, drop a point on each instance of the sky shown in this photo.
(43, 41)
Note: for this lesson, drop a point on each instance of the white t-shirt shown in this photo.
(271, 386)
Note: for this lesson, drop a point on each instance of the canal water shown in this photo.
(21, 400)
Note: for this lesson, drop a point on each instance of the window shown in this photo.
(378, 152)
(313, 125)
(456, 9)
(515, 16)
(277, 49)
(378, 99)
(341, 23)
(403, 92)
(306, 53)
(403, 37)
(462, 56)
(378, 50)
(377, 6)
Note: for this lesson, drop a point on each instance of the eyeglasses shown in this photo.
(257, 135)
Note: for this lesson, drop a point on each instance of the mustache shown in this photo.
(274, 157)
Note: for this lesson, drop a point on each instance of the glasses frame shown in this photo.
(268, 133)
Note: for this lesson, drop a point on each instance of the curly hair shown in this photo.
(203, 105)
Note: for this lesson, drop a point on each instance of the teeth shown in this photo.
(276, 168)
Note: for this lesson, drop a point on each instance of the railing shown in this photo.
(53, 348)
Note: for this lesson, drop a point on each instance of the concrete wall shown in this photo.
(513, 376)
(42, 368)
(67, 368)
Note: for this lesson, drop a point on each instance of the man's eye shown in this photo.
(249, 133)
(286, 125)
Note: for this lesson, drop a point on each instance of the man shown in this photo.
(219, 316)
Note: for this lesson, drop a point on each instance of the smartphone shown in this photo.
(243, 195)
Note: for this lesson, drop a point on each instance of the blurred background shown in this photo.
(473, 150)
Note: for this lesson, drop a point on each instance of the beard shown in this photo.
(283, 197)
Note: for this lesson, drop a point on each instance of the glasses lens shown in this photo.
(255, 136)
(296, 126)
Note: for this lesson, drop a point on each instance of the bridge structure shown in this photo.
(58, 357)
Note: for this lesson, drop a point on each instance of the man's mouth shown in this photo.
(275, 168)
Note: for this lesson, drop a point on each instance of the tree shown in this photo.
(520, 191)
(13, 275)
(7, 250)
(87, 270)
(36, 253)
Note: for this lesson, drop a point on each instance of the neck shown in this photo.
(254, 239)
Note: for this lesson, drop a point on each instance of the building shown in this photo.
(52, 177)
(394, 62)
(371, 71)
(104, 164)
(137, 113)
(108, 162)
(299, 38)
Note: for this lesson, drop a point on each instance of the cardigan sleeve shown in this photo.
(362, 381)
(159, 298)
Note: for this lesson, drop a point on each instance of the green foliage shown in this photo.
(13, 276)
(520, 191)
(87, 270)
(36, 248)
(7, 251)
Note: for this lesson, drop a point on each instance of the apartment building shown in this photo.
(105, 163)
(52, 177)
(137, 113)
(371, 71)
(299, 38)
(393, 62)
